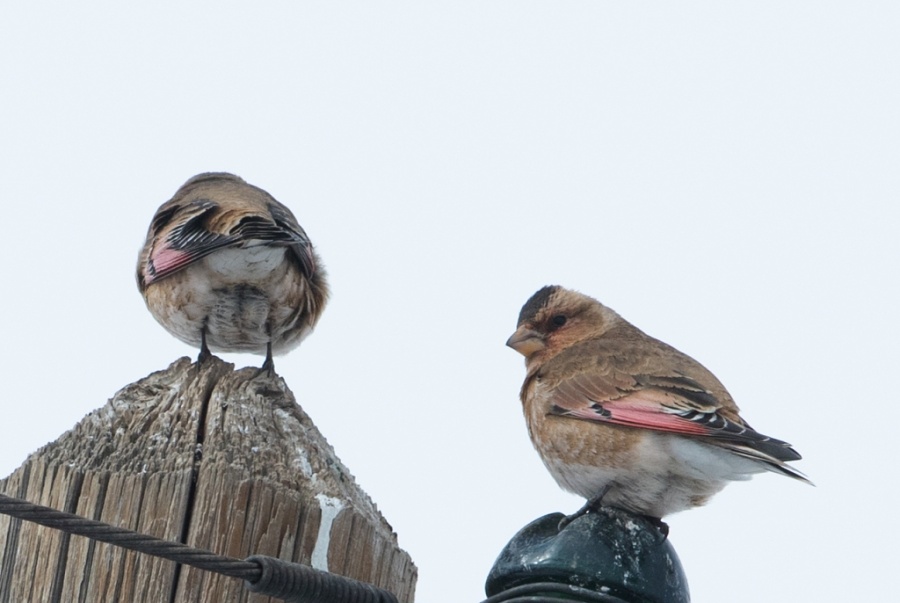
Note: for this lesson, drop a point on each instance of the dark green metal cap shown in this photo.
(606, 551)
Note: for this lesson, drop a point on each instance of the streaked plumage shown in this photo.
(609, 407)
(228, 268)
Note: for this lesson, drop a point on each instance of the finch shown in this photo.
(227, 268)
(619, 416)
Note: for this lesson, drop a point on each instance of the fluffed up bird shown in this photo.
(626, 420)
(227, 268)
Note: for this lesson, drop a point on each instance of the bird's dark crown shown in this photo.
(537, 301)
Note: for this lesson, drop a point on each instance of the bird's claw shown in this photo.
(659, 524)
(204, 355)
(591, 506)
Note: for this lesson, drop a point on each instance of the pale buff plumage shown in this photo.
(616, 412)
(226, 267)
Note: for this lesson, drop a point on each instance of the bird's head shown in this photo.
(555, 318)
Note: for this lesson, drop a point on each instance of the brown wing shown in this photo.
(651, 387)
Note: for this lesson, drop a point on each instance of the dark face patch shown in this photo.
(537, 301)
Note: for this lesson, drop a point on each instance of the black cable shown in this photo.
(297, 583)
(127, 539)
(292, 582)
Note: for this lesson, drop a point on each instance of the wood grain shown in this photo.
(219, 459)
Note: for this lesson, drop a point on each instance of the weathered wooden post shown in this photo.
(219, 459)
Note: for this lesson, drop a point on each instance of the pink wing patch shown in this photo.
(641, 409)
(164, 261)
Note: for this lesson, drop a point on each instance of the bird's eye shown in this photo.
(559, 320)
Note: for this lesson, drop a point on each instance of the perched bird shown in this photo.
(227, 268)
(626, 420)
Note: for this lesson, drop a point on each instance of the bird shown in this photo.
(227, 268)
(625, 420)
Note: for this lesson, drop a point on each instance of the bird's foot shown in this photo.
(205, 355)
(267, 370)
(591, 506)
(659, 524)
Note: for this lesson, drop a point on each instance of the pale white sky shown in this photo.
(724, 175)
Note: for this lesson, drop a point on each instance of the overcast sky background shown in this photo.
(725, 175)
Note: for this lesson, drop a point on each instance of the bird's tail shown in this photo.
(769, 461)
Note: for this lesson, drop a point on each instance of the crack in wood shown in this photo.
(192, 489)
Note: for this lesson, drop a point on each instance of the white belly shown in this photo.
(666, 473)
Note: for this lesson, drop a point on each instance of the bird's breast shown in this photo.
(572, 440)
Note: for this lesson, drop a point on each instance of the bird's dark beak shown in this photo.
(526, 341)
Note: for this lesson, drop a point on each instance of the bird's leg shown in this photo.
(205, 354)
(268, 366)
(590, 506)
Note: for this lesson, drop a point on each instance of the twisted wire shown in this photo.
(128, 539)
(291, 582)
